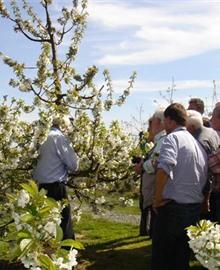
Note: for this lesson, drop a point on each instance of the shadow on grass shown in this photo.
(121, 254)
(114, 246)
(116, 255)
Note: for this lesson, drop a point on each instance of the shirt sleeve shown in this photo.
(149, 164)
(168, 154)
(66, 153)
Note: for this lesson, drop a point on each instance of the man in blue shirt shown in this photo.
(180, 178)
(56, 158)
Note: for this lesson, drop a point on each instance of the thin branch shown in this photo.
(38, 95)
(64, 33)
(26, 35)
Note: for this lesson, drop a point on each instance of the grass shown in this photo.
(128, 210)
(113, 246)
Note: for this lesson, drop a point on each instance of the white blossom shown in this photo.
(129, 202)
(100, 200)
(23, 198)
(69, 263)
(24, 243)
(205, 242)
(50, 227)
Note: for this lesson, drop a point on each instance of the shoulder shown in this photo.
(209, 134)
(57, 135)
(178, 138)
(173, 136)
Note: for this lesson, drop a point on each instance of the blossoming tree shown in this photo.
(57, 88)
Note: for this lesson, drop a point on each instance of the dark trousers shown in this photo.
(170, 249)
(215, 207)
(57, 191)
(146, 222)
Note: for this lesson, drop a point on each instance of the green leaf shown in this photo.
(27, 217)
(51, 202)
(24, 234)
(59, 233)
(46, 262)
(33, 209)
(4, 248)
(45, 210)
(14, 253)
(11, 197)
(31, 187)
(26, 249)
(72, 243)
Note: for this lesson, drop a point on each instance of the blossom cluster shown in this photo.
(126, 202)
(205, 243)
(35, 231)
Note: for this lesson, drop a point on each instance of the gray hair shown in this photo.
(194, 118)
(159, 113)
(62, 121)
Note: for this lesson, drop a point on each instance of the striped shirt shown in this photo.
(185, 162)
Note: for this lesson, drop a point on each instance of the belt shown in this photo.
(183, 204)
(53, 183)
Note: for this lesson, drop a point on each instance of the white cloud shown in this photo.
(156, 86)
(152, 34)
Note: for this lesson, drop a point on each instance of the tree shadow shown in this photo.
(116, 255)
(120, 254)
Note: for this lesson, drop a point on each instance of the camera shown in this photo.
(136, 160)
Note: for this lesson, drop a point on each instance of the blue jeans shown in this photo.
(170, 249)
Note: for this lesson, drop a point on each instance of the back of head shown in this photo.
(196, 104)
(62, 122)
(177, 113)
(159, 114)
(194, 119)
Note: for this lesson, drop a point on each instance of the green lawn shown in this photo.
(113, 246)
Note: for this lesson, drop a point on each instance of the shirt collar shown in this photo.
(179, 128)
(55, 129)
(159, 136)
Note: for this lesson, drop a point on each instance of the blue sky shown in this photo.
(159, 39)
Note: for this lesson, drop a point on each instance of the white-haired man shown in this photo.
(56, 158)
(210, 141)
(147, 169)
(208, 137)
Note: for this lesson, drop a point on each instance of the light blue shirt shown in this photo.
(56, 158)
(185, 161)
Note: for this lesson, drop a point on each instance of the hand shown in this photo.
(158, 203)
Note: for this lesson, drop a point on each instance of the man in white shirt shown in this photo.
(56, 158)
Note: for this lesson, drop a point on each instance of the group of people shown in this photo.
(177, 189)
